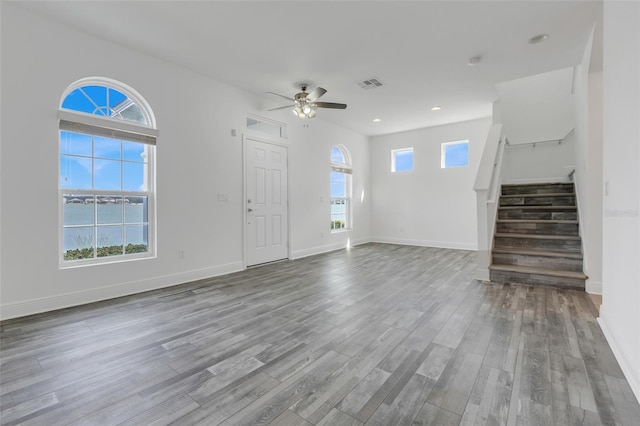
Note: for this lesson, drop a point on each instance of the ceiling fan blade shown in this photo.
(330, 105)
(282, 107)
(317, 92)
(281, 96)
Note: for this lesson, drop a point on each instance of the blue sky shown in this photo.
(403, 161)
(115, 164)
(456, 155)
(88, 162)
(93, 100)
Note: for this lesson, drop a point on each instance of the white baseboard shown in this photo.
(299, 254)
(52, 303)
(426, 243)
(555, 179)
(593, 287)
(629, 373)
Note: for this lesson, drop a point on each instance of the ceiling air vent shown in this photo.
(371, 83)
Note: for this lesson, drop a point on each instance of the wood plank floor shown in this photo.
(377, 335)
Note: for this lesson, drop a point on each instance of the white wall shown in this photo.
(588, 161)
(196, 159)
(429, 206)
(537, 108)
(310, 153)
(543, 162)
(592, 227)
(620, 311)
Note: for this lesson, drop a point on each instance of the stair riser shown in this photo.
(538, 201)
(538, 228)
(546, 262)
(537, 214)
(537, 280)
(538, 189)
(572, 246)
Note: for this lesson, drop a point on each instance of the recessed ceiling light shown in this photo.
(538, 39)
(436, 108)
(474, 61)
(377, 120)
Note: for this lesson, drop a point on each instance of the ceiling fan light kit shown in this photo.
(304, 104)
(305, 111)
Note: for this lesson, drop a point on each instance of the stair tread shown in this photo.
(536, 252)
(570, 222)
(539, 271)
(511, 185)
(530, 207)
(554, 194)
(538, 236)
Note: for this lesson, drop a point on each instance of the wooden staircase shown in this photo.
(536, 240)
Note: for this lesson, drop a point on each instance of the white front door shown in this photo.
(266, 204)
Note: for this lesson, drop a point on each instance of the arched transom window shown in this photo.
(105, 102)
(340, 182)
(106, 173)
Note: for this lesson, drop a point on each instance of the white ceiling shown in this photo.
(418, 49)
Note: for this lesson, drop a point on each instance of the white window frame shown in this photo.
(393, 159)
(347, 170)
(70, 120)
(260, 124)
(443, 153)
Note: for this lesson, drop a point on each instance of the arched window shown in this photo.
(106, 174)
(340, 182)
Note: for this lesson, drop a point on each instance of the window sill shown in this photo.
(340, 231)
(73, 264)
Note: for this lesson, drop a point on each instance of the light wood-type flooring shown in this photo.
(378, 335)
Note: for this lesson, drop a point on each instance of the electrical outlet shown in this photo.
(180, 254)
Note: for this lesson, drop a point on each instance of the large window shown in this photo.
(340, 182)
(106, 174)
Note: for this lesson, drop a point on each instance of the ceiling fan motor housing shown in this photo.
(301, 97)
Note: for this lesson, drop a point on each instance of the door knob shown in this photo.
(249, 210)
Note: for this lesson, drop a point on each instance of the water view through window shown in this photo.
(105, 181)
(105, 212)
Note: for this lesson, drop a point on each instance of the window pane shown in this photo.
(78, 101)
(456, 155)
(75, 144)
(109, 209)
(109, 241)
(132, 113)
(136, 210)
(98, 97)
(337, 156)
(77, 210)
(133, 151)
(106, 174)
(338, 184)
(403, 160)
(107, 148)
(266, 128)
(137, 238)
(78, 243)
(116, 99)
(338, 214)
(75, 172)
(133, 176)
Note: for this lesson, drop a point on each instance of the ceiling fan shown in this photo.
(304, 104)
